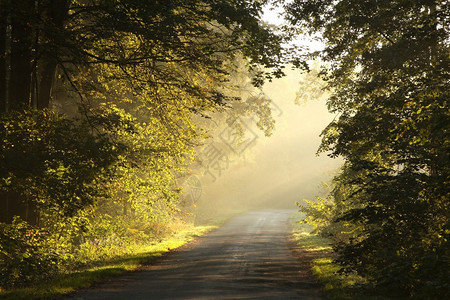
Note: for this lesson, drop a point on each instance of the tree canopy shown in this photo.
(99, 109)
(389, 73)
(131, 67)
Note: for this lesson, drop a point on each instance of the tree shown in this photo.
(157, 61)
(44, 35)
(389, 72)
(99, 108)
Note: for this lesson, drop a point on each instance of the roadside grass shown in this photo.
(106, 269)
(335, 285)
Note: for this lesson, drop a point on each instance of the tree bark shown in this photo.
(47, 74)
(21, 33)
(3, 36)
(56, 14)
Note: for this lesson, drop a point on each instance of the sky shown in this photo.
(273, 15)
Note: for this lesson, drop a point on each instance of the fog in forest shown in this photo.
(275, 171)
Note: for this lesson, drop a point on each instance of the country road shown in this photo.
(247, 258)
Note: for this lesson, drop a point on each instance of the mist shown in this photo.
(280, 170)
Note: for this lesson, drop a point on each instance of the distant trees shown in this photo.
(390, 76)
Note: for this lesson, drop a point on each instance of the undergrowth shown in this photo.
(99, 270)
(335, 285)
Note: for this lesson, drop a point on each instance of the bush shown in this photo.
(25, 254)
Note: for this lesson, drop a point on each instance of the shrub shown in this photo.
(25, 254)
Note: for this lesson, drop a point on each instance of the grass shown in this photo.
(335, 285)
(66, 283)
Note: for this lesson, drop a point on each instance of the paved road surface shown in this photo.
(247, 258)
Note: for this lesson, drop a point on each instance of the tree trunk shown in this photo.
(56, 14)
(47, 74)
(11, 206)
(3, 37)
(21, 33)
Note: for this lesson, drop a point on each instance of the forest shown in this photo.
(105, 106)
